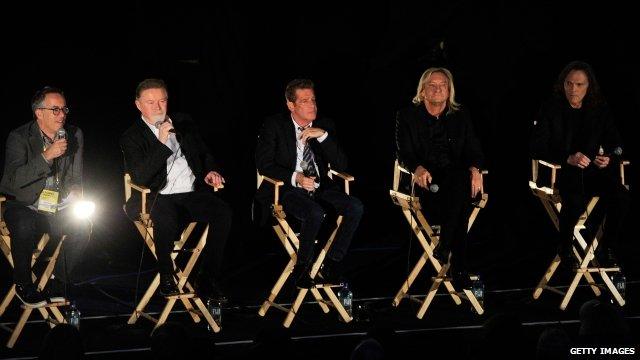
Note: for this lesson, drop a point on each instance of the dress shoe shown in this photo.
(331, 271)
(29, 295)
(206, 286)
(55, 291)
(461, 280)
(568, 261)
(606, 258)
(441, 253)
(168, 286)
(301, 277)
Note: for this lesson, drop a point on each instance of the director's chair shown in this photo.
(145, 228)
(583, 251)
(290, 242)
(428, 236)
(51, 319)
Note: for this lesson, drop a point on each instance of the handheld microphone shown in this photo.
(307, 170)
(160, 122)
(617, 152)
(60, 134)
(433, 188)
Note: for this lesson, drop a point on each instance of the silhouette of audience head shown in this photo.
(601, 323)
(553, 344)
(368, 349)
(171, 341)
(503, 335)
(62, 342)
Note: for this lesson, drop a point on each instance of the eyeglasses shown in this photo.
(56, 110)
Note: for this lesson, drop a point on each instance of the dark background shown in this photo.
(227, 64)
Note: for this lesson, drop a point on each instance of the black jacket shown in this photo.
(26, 171)
(412, 141)
(552, 135)
(276, 152)
(146, 157)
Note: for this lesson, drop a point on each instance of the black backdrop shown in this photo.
(228, 63)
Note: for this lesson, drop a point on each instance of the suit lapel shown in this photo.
(290, 140)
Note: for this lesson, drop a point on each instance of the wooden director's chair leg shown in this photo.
(429, 240)
(291, 243)
(195, 309)
(327, 288)
(41, 284)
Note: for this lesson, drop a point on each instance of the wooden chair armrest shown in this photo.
(549, 164)
(344, 176)
(142, 189)
(276, 186)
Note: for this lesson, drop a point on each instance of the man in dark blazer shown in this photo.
(44, 157)
(437, 143)
(297, 147)
(576, 130)
(168, 155)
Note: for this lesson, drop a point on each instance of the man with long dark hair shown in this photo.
(575, 129)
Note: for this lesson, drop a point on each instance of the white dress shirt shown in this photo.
(180, 178)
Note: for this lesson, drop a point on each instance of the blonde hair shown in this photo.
(451, 101)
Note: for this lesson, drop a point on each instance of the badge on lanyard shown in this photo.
(48, 201)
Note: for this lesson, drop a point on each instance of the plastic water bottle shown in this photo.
(73, 316)
(620, 282)
(346, 299)
(477, 287)
(215, 309)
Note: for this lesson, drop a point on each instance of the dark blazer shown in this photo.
(146, 157)
(552, 137)
(276, 151)
(26, 171)
(412, 141)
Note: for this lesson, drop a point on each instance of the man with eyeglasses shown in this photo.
(42, 176)
(436, 141)
(166, 153)
(298, 147)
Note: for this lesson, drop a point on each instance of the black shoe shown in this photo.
(207, 287)
(301, 277)
(55, 291)
(441, 253)
(331, 272)
(168, 286)
(606, 258)
(461, 280)
(29, 295)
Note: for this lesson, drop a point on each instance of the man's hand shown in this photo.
(307, 183)
(164, 133)
(422, 177)
(57, 149)
(311, 133)
(476, 182)
(601, 161)
(214, 179)
(579, 159)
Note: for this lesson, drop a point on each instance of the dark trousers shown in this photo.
(170, 213)
(26, 227)
(577, 186)
(450, 207)
(310, 210)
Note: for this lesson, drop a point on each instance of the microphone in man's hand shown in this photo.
(60, 134)
(158, 123)
(433, 188)
(308, 170)
(617, 152)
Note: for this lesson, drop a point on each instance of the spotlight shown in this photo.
(84, 209)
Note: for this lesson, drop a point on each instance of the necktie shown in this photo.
(308, 164)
